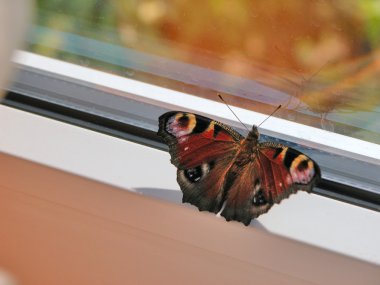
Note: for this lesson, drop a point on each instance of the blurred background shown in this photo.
(320, 58)
(12, 38)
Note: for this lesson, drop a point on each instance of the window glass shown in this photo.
(320, 59)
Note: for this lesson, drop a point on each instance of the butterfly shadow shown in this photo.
(175, 196)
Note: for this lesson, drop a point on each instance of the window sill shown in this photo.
(313, 219)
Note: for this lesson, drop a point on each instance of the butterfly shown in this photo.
(218, 170)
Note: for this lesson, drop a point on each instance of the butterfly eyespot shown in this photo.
(183, 121)
(302, 169)
(193, 175)
(180, 125)
(259, 199)
(304, 164)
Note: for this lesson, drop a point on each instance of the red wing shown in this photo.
(202, 150)
(194, 139)
(285, 170)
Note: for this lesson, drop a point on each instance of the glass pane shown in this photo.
(319, 59)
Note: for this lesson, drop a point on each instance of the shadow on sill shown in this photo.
(175, 196)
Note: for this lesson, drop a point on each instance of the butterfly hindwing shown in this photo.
(245, 197)
(276, 172)
(202, 186)
(202, 150)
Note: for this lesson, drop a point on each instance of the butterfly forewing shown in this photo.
(202, 150)
(194, 139)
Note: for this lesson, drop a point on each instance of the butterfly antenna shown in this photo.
(221, 98)
(279, 106)
(318, 71)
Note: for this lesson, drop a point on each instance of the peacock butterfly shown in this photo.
(220, 170)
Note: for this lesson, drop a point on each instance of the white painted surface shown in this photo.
(281, 128)
(313, 219)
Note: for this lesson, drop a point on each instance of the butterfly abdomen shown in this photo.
(248, 149)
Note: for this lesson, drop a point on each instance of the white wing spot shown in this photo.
(205, 168)
(289, 179)
(221, 210)
(257, 186)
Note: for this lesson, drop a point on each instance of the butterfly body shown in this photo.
(220, 170)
